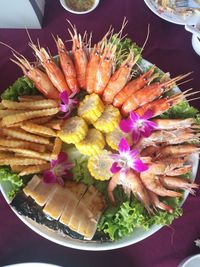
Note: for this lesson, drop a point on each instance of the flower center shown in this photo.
(58, 170)
(139, 124)
(123, 162)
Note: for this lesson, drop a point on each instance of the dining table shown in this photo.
(169, 47)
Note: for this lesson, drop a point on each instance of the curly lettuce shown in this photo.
(182, 110)
(10, 181)
(124, 47)
(22, 86)
(121, 221)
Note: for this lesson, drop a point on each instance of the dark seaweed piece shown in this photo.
(27, 207)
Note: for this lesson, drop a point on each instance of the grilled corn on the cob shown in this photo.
(92, 144)
(109, 120)
(91, 108)
(73, 130)
(100, 164)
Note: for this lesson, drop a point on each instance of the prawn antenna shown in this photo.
(29, 36)
(11, 48)
(147, 38)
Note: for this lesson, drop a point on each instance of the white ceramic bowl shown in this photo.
(196, 44)
(193, 261)
(64, 5)
(32, 264)
(136, 236)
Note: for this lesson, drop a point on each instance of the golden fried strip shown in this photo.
(38, 129)
(5, 154)
(56, 148)
(22, 135)
(17, 168)
(29, 98)
(54, 124)
(13, 160)
(15, 118)
(37, 121)
(1, 106)
(49, 147)
(6, 112)
(22, 144)
(27, 152)
(41, 120)
(34, 169)
(32, 105)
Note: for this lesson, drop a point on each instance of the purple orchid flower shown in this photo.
(138, 126)
(67, 104)
(127, 159)
(59, 170)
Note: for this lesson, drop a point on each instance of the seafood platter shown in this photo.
(98, 147)
(176, 11)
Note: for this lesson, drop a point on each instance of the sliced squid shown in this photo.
(75, 205)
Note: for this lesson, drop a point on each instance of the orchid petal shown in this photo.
(64, 97)
(133, 153)
(69, 166)
(115, 168)
(146, 132)
(53, 163)
(63, 108)
(123, 146)
(134, 116)
(139, 166)
(125, 126)
(62, 157)
(60, 181)
(49, 177)
(136, 135)
(147, 115)
(153, 125)
(115, 156)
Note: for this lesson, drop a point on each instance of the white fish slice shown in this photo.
(81, 212)
(56, 203)
(96, 207)
(95, 204)
(42, 192)
(88, 224)
(32, 185)
(77, 191)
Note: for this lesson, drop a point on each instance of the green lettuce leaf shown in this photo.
(123, 49)
(182, 110)
(122, 220)
(22, 86)
(11, 181)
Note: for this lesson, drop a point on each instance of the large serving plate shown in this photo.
(172, 17)
(66, 241)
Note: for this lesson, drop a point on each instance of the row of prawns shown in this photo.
(94, 70)
(168, 153)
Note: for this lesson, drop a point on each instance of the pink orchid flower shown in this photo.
(138, 126)
(67, 104)
(127, 159)
(59, 170)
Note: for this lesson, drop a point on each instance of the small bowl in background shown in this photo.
(68, 8)
(193, 261)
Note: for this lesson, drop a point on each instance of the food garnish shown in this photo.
(127, 159)
(67, 104)
(138, 125)
(59, 170)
